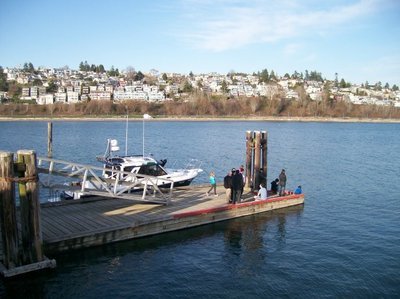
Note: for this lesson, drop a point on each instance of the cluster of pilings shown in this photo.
(256, 159)
(22, 248)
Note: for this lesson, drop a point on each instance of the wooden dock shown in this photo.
(93, 222)
(32, 231)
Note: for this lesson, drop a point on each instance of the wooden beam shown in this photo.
(8, 216)
(257, 159)
(264, 155)
(30, 209)
(249, 154)
(45, 264)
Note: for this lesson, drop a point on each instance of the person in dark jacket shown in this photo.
(282, 182)
(237, 184)
(228, 186)
(274, 186)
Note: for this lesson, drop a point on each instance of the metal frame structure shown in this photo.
(91, 182)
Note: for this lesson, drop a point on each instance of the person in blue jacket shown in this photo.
(213, 184)
(298, 190)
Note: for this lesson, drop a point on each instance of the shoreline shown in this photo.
(193, 119)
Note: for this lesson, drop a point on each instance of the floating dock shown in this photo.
(93, 222)
(32, 231)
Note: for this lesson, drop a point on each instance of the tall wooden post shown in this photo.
(8, 217)
(249, 155)
(264, 155)
(30, 209)
(257, 160)
(49, 139)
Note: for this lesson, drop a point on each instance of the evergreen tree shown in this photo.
(224, 87)
(187, 87)
(264, 76)
(52, 87)
(139, 76)
(28, 67)
(306, 75)
(272, 76)
(3, 80)
(113, 72)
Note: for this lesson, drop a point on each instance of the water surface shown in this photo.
(344, 242)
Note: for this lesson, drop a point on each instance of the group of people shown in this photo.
(278, 186)
(234, 183)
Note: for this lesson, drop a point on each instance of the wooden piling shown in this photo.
(30, 208)
(249, 154)
(49, 139)
(264, 155)
(8, 216)
(257, 160)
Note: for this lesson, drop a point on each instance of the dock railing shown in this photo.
(125, 185)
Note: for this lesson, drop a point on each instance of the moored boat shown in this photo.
(114, 165)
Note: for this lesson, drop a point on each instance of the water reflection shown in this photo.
(250, 240)
(250, 233)
(241, 246)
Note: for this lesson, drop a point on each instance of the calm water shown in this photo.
(344, 242)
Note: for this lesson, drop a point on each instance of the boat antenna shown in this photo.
(126, 134)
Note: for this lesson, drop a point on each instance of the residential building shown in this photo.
(60, 97)
(72, 97)
(100, 96)
(45, 99)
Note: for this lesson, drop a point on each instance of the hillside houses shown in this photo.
(72, 86)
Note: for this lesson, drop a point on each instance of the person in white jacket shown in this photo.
(262, 193)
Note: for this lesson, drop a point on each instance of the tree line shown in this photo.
(203, 105)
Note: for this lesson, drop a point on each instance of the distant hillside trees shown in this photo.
(113, 72)
(52, 87)
(313, 76)
(344, 84)
(202, 104)
(266, 77)
(28, 67)
(139, 76)
(85, 67)
(187, 87)
(3, 80)
(263, 76)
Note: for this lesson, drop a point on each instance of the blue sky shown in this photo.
(358, 39)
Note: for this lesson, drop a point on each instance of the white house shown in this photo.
(156, 96)
(45, 99)
(60, 97)
(73, 96)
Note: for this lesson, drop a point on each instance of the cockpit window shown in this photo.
(153, 170)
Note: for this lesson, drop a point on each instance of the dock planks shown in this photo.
(92, 222)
